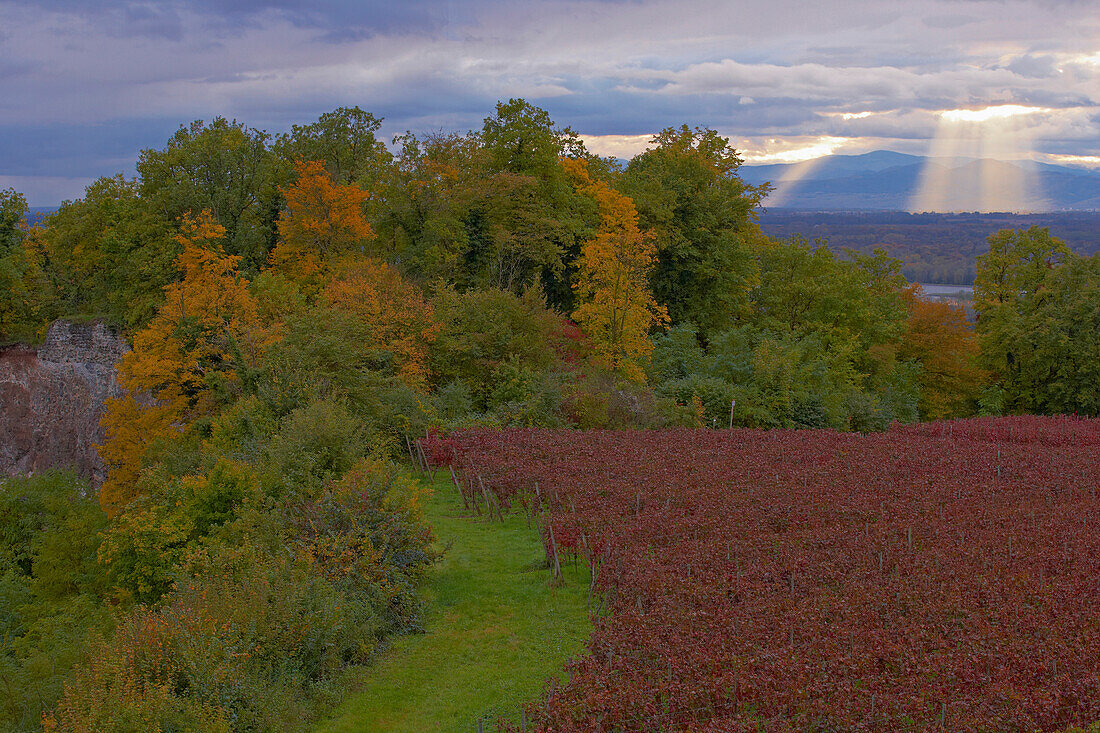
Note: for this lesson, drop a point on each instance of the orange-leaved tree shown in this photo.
(942, 339)
(205, 334)
(323, 221)
(616, 307)
(392, 313)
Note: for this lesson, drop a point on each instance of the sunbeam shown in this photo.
(979, 161)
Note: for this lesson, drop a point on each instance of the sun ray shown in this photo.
(978, 161)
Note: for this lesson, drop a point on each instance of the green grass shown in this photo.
(496, 631)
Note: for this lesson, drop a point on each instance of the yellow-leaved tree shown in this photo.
(616, 307)
(323, 222)
(204, 335)
(942, 339)
(393, 315)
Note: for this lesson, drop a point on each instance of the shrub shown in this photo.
(266, 611)
(315, 444)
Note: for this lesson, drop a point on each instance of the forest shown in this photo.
(300, 306)
(933, 247)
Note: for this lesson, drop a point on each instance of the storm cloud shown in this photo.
(85, 85)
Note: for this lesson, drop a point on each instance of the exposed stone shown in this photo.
(51, 399)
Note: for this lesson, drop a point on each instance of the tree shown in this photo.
(530, 223)
(1038, 316)
(485, 331)
(110, 253)
(25, 296)
(392, 314)
(850, 305)
(223, 167)
(438, 178)
(345, 141)
(1014, 268)
(205, 337)
(1008, 288)
(688, 194)
(521, 138)
(1058, 344)
(323, 222)
(940, 337)
(616, 308)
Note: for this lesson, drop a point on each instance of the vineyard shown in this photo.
(937, 576)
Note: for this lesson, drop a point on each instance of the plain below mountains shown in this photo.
(888, 181)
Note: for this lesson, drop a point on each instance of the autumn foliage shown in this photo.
(323, 220)
(189, 356)
(616, 307)
(392, 314)
(941, 338)
(940, 576)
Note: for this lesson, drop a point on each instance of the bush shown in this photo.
(366, 536)
(267, 610)
(51, 590)
(866, 414)
(315, 444)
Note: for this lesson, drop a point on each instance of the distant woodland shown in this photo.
(933, 248)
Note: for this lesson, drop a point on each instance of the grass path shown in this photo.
(496, 631)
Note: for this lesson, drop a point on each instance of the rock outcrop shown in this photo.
(51, 399)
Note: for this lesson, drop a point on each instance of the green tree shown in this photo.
(25, 295)
(688, 194)
(1060, 358)
(1011, 287)
(531, 222)
(436, 182)
(1038, 316)
(346, 141)
(490, 332)
(491, 209)
(226, 168)
(851, 304)
(110, 253)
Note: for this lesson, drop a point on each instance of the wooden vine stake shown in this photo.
(428, 469)
(412, 454)
(461, 493)
(554, 547)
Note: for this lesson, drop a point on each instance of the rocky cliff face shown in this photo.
(51, 399)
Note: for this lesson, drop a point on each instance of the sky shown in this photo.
(84, 86)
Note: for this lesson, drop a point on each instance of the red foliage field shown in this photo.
(938, 576)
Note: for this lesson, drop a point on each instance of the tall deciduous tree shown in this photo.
(226, 168)
(436, 183)
(1008, 287)
(688, 193)
(346, 141)
(530, 222)
(25, 294)
(1038, 314)
(615, 306)
(206, 335)
(110, 253)
(323, 222)
(942, 340)
(851, 304)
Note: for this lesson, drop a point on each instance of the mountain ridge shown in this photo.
(883, 180)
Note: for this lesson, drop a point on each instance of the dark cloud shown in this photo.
(338, 20)
(79, 150)
(1034, 67)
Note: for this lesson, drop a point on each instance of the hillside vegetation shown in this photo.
(302, 308)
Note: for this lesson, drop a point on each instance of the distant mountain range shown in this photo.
(888, 181)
